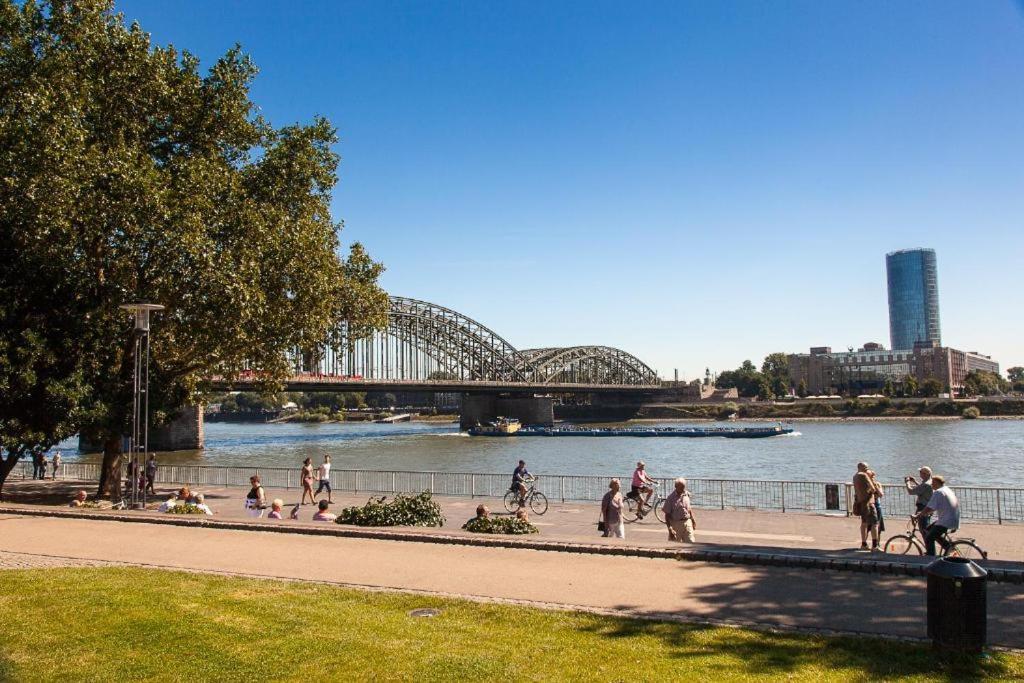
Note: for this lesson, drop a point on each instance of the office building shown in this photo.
(912, 277)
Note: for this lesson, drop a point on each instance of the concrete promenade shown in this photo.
(773, 597)
(576, 522)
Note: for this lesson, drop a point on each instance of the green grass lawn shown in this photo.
(135, 624)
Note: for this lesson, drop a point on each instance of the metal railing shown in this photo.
(976, 503)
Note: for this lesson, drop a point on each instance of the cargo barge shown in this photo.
(507, 427)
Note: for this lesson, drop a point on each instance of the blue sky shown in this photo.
(697, 183)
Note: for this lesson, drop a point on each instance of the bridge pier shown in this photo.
(484, 408)
(186, 432)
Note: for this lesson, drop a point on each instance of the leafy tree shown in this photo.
(764, 389)
(930, 388)
(910, 386)
(983, 383)
(801, 389)
(134, 177)
(775, 368)
(888, 389)
(1016, 374)
(746, 379)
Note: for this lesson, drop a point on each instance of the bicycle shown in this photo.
(912, 543)
(637, 509)
(534, 499)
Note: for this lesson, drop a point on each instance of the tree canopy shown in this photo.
(129, 175)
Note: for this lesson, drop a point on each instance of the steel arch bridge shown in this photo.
(428, 345)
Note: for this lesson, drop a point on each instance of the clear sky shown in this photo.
(695, 182)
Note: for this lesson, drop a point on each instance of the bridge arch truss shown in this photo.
(423, 341)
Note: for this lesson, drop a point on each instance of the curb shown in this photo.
(795, 560)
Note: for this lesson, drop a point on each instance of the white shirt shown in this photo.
(325, 470)
(945, 507)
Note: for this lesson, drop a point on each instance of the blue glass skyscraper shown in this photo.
(913, 297)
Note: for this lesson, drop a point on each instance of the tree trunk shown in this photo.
(110, 473)
(6, 467)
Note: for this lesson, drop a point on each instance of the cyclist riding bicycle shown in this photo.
(642, 484)
(520, 477)
(946, 508)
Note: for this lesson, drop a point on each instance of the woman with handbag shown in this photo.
(611, 511)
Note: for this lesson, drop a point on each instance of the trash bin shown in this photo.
(957, 604)
(831, 496)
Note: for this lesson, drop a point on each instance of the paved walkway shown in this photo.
(744, 595)
(576, 522)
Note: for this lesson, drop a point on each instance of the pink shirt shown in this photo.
(639, 477)
(324, 517)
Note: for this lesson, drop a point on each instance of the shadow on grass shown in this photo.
(754, 653)
(839, 601)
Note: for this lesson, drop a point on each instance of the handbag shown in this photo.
(601, 526)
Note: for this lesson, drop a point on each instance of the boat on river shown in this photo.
(496, 429)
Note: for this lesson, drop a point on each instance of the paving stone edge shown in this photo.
(792, 560)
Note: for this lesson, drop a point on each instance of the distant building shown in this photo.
(867, 369)
(913, 280)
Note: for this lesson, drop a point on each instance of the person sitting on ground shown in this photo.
(923, 491)
(322, 514)
(946, 508)
(864, 506)
(200, 502)
(482, 512)
(256, 499)
(275, 509)
(79, 499)
(679, 517)
(169, 503)
(522, 515)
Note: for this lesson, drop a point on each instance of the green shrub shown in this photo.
(499, 525)
(820, 410)
(185, 509)
(418, 510)
(971, 413)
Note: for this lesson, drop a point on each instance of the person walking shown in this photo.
(923, 491)
(679, 518)
(151, 467)
(256, 499)
(946, 508)
(864, 506)
(611, 511)
(307, 481)
(879, 493)
(323, 473)
(37, 460)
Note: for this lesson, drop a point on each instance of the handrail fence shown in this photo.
(976, 503)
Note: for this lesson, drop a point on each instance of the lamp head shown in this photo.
(140, 312)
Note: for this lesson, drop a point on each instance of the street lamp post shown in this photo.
(139, 442)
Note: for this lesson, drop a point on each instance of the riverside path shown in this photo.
(774, 597)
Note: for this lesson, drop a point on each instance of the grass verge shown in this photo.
(137, 624)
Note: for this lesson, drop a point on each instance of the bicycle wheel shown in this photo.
(903, 544)
(658, 514)
(538, 503)
(967, 550)
(629, 510)
(512, 501)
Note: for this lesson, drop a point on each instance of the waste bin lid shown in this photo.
(956, 568)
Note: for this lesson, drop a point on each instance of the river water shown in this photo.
(968, 452)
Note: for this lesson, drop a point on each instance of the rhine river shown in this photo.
(968, 452)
